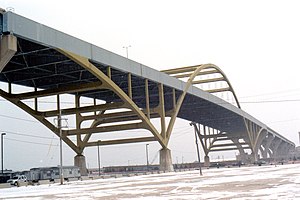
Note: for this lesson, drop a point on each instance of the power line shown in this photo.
(17, 118)
(290, 120)
(29, 142)
(271, 93)
(272, 101)
(183, 151)
(29, 135)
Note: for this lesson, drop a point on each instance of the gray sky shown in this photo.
(256, 43)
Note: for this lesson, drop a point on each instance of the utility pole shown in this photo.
(147, 156)
(60, 148)
(198, 153)
(59, 127)
(99, 168)
(2, 134)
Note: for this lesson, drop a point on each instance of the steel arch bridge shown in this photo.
(126, 95)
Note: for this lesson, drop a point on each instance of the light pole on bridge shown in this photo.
(126, 47)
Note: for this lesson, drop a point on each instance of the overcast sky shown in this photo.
(256, 43)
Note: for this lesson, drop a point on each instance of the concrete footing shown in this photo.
(79, 161)
(165, 163)
(206, 161)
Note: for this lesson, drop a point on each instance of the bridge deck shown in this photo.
(37, 63)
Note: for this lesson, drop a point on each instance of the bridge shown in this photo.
(124, 95)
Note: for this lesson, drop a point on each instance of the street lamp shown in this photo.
(147, 156)
(196, 141)
(60, 131)
(99, 157)
(126, 47)
(2, 134)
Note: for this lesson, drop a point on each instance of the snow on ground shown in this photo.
(256, 182)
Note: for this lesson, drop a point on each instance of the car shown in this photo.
(260, 162)
(17, 179)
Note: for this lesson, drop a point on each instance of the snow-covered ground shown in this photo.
(264, 182)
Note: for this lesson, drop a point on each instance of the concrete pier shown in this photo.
(165, 160)
(79, 161)
(206, 161)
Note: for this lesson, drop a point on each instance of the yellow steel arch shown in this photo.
(191, 73)
(84, 62)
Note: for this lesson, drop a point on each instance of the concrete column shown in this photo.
(263, 152)
(282, 151)
(206, 161)
(79, 161)
(274, 148)
(267, 145)
(253, 157)
(8, 48)
(165, 158)
(243, 157)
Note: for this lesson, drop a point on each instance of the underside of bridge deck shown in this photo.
(120, 100)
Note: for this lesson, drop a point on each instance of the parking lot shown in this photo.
(256, 182)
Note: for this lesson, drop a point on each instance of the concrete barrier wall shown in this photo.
(20, 184)
(118, 175)
(43, 182)
(5, 185)
(103, 176)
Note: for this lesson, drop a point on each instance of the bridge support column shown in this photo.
(165, 158)
(244, 157)
(267, 145)
(79, 161)
(253, 157)
(282, 151)
(274, 148)
(8, 48)
(206, 161)
(263, 152)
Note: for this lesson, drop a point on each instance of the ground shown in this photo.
(256, 182)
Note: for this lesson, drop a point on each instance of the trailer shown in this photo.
(51, 173)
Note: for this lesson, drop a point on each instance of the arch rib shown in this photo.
(84, 62)
(185, 72)
(192, 72)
